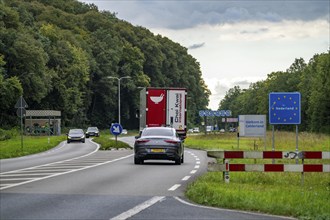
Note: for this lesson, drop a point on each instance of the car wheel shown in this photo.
(68, 142)
(137, 161)
(178, 161)
(182, 158)
(83, 141)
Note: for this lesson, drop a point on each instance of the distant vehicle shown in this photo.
(164, 107)
(196, 130)
(232, 129)
(159, 143)
(190, 130)
(92, 131)
(124, 131)
(76, 135)
(209, 128)
(222, 130)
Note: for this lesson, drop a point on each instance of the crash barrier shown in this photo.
(227, 167)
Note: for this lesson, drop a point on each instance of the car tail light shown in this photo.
(142, 141)
(171, 141)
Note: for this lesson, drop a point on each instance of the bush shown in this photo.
(8, 134)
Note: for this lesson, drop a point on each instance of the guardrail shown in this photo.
(226, 167)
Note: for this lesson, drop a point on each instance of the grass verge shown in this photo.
(12, 147)
(273, 193)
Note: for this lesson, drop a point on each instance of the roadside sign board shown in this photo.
(116, 129)
(252, 125)
(284, 108)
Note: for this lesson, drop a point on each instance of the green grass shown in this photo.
(108, 142)
(274, 193)
(31, 145)
(280, 194)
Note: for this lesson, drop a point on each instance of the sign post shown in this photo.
(116, 130)
(284, 108)
(21, 105)
(227, 177)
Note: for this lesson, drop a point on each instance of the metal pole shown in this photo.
(21, 108)
(297, 161)
(273, 142)
(124, 77)
(119, 100)
(21, 129)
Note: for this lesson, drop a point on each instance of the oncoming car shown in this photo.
(158, 143)
(92, 131)
(76, 135)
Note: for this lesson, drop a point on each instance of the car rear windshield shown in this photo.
(158, 132)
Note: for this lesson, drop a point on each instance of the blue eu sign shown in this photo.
(284, 108)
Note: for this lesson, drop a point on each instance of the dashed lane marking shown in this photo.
(174, 187)
(135, 210)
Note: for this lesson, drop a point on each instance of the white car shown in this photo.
(124, 131)
(196, 130)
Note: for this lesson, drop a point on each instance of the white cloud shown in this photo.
(248, 51)
(235, 42)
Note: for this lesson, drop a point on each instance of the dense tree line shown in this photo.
(312, 80)
(59, 54)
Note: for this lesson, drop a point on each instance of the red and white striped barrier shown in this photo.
(269, 167)
(269, 154)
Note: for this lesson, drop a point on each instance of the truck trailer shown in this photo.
(164, 107)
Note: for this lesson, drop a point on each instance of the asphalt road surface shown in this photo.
(76, 181)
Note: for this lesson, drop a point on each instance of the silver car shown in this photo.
(158, 143)
(76, 135)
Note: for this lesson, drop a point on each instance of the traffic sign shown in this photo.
(21, 103)
(21, 112)
(284, 108)
(211, 113)
(116, 129)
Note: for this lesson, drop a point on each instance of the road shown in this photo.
(76, 181)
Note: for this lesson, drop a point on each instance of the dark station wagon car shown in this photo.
(92, 131)
(158, 143)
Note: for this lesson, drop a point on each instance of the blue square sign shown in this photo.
(284, 108)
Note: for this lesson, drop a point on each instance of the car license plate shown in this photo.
(157, 150)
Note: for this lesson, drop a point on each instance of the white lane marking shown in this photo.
(230, 210)
(196, 167)
(198, 162)
(57, 162)
(174, 187)
(197, 159)
(193, 171)
(185, 178)
(135, 210)
(70, 171)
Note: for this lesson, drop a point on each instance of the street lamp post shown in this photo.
(119, 79)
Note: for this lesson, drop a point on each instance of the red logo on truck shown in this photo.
(156, 108)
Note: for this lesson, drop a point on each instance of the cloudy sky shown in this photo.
(235, 42)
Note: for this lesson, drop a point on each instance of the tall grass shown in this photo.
(289, 194)
(283, 141)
